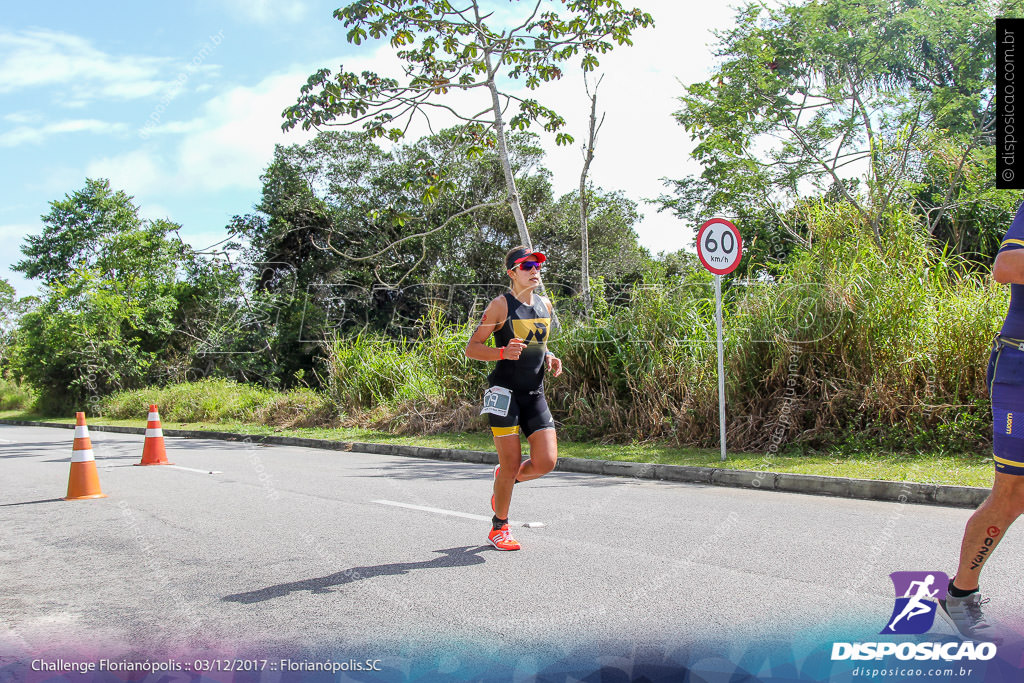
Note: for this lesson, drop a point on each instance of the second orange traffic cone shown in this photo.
(153, 451)
(84, 480)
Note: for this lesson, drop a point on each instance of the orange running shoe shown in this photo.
(496, 468)
(502, 539)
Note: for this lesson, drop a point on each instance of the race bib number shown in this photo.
(497, 401)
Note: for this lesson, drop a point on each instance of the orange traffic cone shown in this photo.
(153, 451)
(84, 481)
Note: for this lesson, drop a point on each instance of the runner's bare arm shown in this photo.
(493, 318)
(1009, 267)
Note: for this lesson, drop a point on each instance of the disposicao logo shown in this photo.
(953, 651)
(916, 596)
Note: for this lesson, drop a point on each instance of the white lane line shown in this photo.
(192, 469)
(453, 513)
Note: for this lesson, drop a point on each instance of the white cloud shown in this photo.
(136, 172)
(227, 146)
(237, 135)
(29, 135)
(18, 231)
(155, 212)
(43, 57)
(53, 181)
(81, 73)
(23, 117)
(267, 11)
(174, 128)
(12, 236)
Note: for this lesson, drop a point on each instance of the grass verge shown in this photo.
(927, 468)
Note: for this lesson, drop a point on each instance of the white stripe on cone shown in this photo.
(81, 432)
(153, 416)
(82, 456)
(150, 433)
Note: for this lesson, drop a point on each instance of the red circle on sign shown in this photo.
(718, 270)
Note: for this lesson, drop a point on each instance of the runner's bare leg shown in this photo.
(543, 455)
(989, 521)
(510, 455)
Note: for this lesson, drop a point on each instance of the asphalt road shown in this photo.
(288, 547)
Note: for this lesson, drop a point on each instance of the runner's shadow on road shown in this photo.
(22, 450)
(31, 502)
(452, 557)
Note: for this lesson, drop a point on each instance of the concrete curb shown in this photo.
(840, 487)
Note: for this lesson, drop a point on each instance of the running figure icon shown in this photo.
(917, 606)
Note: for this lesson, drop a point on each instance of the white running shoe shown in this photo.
(968, 618)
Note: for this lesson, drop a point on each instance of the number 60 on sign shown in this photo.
(719, 246)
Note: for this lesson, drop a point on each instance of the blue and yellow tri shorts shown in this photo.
(1006, 387)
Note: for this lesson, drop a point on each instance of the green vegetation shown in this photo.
(221, 400)
(803, 92)
(117, 302)
(843, 344)
(15, 396)
(859, 321)
(843, 348)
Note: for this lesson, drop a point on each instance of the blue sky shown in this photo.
(180, 106)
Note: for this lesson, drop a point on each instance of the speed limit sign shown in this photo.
(719, 246)
(720, 249)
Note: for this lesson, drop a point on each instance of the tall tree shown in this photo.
(811, 95)
(315, 231)
(110, 312)
(11, 309)
(96, 228)
(956, 194)
(588, 158)
(613, 245)
(449, 51)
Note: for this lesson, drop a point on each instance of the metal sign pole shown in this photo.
(721, 363)
(720, 248)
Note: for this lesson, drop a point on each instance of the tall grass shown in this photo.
(222, 400)
(846, 344)
(424, 385)
(15, 395)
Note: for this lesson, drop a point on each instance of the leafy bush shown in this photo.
(83, 342)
